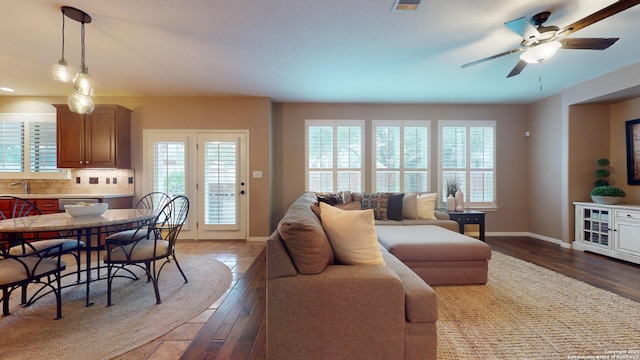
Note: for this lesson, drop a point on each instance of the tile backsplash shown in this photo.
(116, 181)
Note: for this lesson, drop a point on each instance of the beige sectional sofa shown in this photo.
(320, 308)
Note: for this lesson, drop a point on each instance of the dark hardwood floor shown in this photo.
(237, 328)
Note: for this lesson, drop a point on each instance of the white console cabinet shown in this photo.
(611, 230)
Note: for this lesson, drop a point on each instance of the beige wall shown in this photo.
(250, 113)
(511, 158)
(545, 169)
(620, 113)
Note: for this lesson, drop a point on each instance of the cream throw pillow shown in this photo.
(426, 206)
(352, 234)
(410, 206)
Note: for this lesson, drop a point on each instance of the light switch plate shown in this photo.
(257, 174)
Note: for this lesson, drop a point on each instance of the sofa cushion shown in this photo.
(378, 202)
(352, 235)
(410, 206)
(304, 237)
(426, 204)
(394, 210)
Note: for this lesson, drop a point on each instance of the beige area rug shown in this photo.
(101, 332)
(528, 312)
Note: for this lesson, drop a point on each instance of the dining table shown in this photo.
(80, 227)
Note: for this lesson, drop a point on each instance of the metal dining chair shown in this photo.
(18, 271)
(148, 246)
(37, 247)
(152, 201)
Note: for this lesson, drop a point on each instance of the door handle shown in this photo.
(242, 192)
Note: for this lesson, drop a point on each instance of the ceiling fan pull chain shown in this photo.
(540, 75)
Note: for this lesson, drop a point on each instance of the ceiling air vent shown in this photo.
(406, 5)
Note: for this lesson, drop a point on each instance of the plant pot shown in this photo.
(607, 200)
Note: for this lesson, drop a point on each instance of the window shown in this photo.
(401, 153)
(169, 167)
(28, 147)
(334, 157)
(467, 152)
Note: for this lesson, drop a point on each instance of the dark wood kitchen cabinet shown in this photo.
(101, 140)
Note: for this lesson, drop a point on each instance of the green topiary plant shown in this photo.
(602, 173)
(608, 191)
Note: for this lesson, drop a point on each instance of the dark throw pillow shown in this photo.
(394, 211)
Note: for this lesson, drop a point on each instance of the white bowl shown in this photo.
(86, 209)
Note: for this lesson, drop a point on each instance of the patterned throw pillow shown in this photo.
(378, 202)
(331, 199)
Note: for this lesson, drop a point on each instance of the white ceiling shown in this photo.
(305, 50)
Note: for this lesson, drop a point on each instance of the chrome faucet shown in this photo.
(25, 186)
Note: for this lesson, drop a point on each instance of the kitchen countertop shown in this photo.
(69, 196)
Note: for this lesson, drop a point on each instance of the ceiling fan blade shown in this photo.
(492, 57)
(610, 10)
(523, 27)
(518, 68)
(587, 43)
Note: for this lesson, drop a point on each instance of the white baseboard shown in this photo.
(535, 236)
(258, 238)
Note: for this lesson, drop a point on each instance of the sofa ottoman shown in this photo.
(439, 256)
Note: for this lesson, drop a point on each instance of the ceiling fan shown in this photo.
(541, 42)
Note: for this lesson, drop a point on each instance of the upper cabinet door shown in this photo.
(100, 140)
(70, 138)
(100, 130)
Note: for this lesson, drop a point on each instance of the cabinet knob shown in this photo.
(81, 162)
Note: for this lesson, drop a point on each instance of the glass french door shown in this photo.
(222, 183)
(210, 168)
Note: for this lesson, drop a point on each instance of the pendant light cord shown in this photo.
(63, 16)
(82, 45)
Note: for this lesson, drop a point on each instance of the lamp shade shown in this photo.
(80, 103)
(83, 83)
(540, 53)
(61, 71)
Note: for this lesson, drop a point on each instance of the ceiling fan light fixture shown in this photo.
(540, 53)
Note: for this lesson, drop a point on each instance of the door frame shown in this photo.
(190, 136)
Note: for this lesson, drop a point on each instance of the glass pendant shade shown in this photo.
(540, 53)
(61, 71)
(80, 103)
(82, 82)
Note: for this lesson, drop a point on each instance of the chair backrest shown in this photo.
(21, 207)
(153, 201)
(171, 218)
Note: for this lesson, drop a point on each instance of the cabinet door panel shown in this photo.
(71, 139)
(628, 233)
(101, 138)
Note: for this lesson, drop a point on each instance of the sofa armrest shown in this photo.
(441, 215)
(355, 310)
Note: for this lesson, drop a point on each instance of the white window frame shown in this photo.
(27, 174)
(334, 169)
(401, 124)
(466, 186)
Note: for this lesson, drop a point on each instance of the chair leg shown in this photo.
(5, 302)
(109, 280)
(179, 268)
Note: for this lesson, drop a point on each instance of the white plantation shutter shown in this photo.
(401, 152)
(334, 155)
(220, 162)
(169, 167)
(12, 146)
(28, 147)
(42, 146)
(467, 153)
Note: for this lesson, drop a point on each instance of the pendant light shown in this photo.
(61, 71)
(81, 101)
